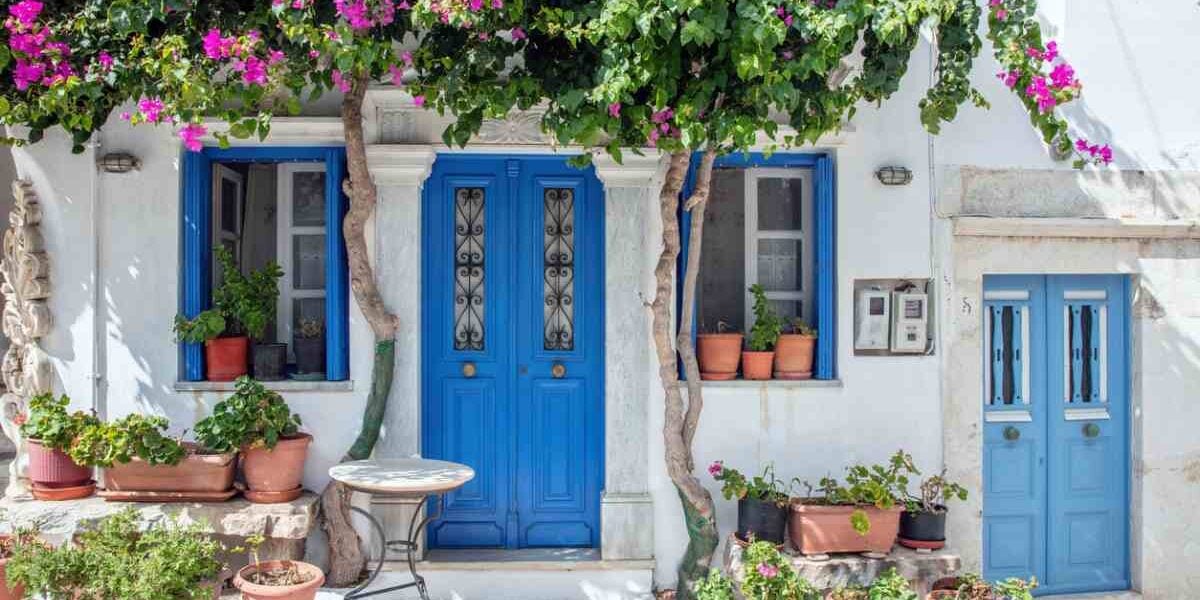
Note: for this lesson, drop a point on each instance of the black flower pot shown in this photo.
(310, 355)
(924, 526)
(270, 361)
(764, 520)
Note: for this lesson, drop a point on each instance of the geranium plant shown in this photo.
(890, 585)
(49, 422)
(768, 575)
(767, 324)
(882, 486)
(244, 303)
(734, 485)
(106, 444)
(934, 492)
(252, 416)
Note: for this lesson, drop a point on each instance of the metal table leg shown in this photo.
(409, 546)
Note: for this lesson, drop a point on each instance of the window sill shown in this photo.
(278, 386)
(773, 384)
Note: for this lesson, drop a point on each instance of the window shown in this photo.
(770, 221)
(270, 204)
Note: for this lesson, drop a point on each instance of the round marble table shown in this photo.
(417, 478)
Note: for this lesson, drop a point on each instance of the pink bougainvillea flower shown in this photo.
(418, 101)
(275, 57)
(1010, 78)
(125, 116)
(314, 54)
(475, 5)
(662, 116)
(716, 468)
(484, 36)
(254, 71)
(517, 34)
(497, 4)
(151, 109)
(406, 56)
(191, 134)
(339, 81)
(614, 110)
(26, 12)
(26, 73)
(1051, 52)
(354, 12)
(397, 75)
(1063, 76)
(768, 571)
(1002, 14)
(1040, 91)
(105, 60)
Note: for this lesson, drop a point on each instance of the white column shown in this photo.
(399, 172)
(626, 510)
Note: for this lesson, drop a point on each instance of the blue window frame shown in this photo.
(196, 246)
(823, 263)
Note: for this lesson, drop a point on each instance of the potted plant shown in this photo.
(891, 586)
(283, 579)
(309, 345)
(862, 516)
(974, 587)
(118, 559)
(8, 547)
(762, 502)
(794, 352)
(923, 523)
(49, 430)
(259, 423)
(243, 305)
(141, 463)
(719, 353)
(759, 357)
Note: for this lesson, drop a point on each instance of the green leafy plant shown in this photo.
(253, 416)
(243, 303)
(118, 560)
(105, 444)
(891, 586)
(49, 422)
(971, 586)
(881, 486)
(849, 592)
(310, 329)
(734, 484)
(1014, 588)
(935, 492)
(769, 575)
(289, 575)
(799, 327)
(767, 325)
(715, 587)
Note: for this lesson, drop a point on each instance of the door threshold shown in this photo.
(529, 559)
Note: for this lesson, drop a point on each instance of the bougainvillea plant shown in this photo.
(679, 77)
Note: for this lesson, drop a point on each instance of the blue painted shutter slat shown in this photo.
(826, 270)
(337, 286)
(196, 253)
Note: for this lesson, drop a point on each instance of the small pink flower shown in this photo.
(314, 54)
(191, 135)
(517, 34)
(26, 12)
(19, 419)
(768, 571)
(788, 20)
(125, 116)
(614, 110)
(1051, 52)
(716, 468)
(151, 109)
(275, 57)
(1001, 15)
(497, 4)
(418, 101)
(105, 60)
(397, 75)
(339, 81)
(406, 56)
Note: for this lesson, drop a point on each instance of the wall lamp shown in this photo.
(119, 162)
(894, 175)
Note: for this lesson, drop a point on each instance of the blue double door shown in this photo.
(513, 348)
(1056, 422)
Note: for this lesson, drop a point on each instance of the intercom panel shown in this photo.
(910, 321)
(873, 320)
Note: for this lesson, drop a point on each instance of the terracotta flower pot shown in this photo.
(195, 473)
(824, 529)
(15, 593)
(757, 365)
(718, 354)
(302, 591)
(279, 469)
(51, 468)
(794, 356)
(225, 359)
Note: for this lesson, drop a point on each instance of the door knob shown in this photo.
(469, 370)
(558, 370)
(1012, 434)
(1091, 430)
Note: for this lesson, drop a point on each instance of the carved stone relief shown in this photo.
(404, 125)
(26, 369)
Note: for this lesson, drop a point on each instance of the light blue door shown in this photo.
(1056, 458)
(513, 348)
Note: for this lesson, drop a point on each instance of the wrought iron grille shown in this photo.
(469, 269)
(559, 269)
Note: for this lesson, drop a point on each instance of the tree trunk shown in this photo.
(346, 557)
(698, 509)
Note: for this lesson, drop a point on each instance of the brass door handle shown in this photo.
(558, 370)
(469, 370)
(1012, 434)
(1091, 430)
